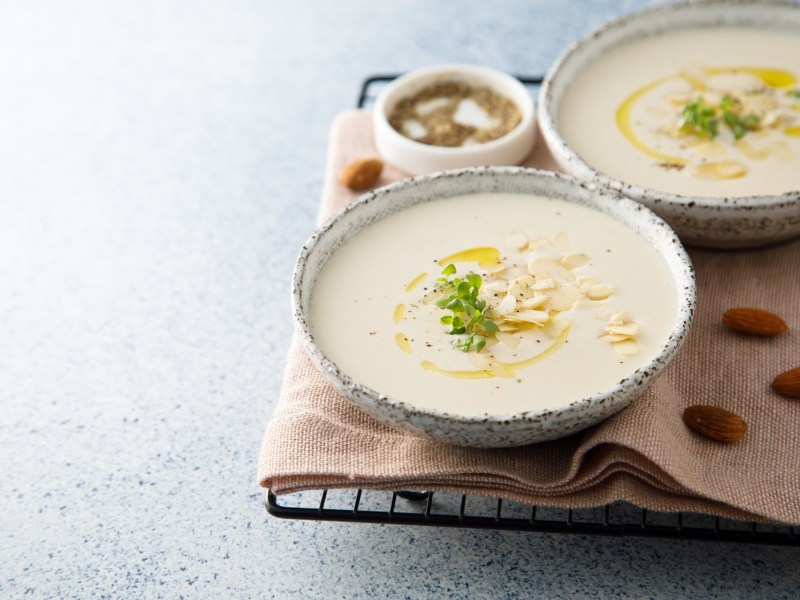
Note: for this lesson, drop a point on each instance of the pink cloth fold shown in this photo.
(645, 454)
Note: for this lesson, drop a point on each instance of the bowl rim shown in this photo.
(563, 152)
(379, 109)
(684, 282)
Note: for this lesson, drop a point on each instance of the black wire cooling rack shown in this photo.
(445, 509)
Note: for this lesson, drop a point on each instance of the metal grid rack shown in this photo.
(444, 509)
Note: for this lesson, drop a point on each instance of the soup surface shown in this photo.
(696, 112)
(564, 302)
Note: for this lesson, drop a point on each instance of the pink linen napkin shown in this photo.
(646, 455)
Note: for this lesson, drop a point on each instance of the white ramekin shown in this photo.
(416, 158)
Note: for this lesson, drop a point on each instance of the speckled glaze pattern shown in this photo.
(702, 221)
(491, 430)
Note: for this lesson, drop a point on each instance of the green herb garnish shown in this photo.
(699, 118)
(794, 93)
(740, 125)
(703, 119)
(467, 309)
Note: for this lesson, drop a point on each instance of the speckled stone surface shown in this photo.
(160, 167)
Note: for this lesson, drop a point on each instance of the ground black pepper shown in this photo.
(441, 128)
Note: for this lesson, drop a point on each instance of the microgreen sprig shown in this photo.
(467, 309)
(703, 119)
(794, 93)
(740, 125)
(699, 118)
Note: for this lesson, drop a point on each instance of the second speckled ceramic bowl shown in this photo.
(717, 222)
(491, 430)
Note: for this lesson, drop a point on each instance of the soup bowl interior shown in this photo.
(488, 429)
(708, 221)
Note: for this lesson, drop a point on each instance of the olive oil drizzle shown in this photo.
(399, 313)
(402, 342)
(506, 369)
(415, 283)
(626, 127)
(485, 257)
(774, 78)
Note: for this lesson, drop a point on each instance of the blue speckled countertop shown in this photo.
(160, 166)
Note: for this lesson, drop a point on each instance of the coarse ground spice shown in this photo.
(441, 128)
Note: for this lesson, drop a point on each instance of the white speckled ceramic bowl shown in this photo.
(702, 221)
(491, 430)
(417, 158)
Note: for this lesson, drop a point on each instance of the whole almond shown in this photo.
(362, 174)
(788, 383)
(754, 321)
(715, 422)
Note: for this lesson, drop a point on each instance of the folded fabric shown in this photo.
(645, 454)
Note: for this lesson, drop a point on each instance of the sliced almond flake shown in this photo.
(629, 329)
(491, 341)
(525, 280)
(537, 243)
(617, 319)
(573, 261)
(493, 301)
(506, 306)
(608, 337)
(507, 327)
(519, 286)
(534, 302)
(598, 291)
(722, 169)
(561, 241)
(563, 298)
(543, 284)
(496, 286)
(510, 341)
(758, 103)
(555, 327)
(530, 316)
(511, 273)
(773, 117)
(546, 268)
(626, 347)
(516, 240)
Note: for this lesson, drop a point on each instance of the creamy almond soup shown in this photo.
(493, 303)
(697, 112)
